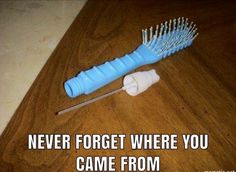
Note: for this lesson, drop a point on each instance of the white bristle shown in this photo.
(161, 29)
(185, 24)
(165, 27)
(150, 33)
(182, 23)
(145, 36)
(190, 26)
(174, 26)
(195, 36)
(169, 29)
(156, 31)
(178, 25)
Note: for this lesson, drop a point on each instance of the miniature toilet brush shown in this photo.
(133, 84)
(157, 44)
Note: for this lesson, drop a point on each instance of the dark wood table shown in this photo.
(196, 93)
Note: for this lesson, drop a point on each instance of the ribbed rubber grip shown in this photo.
(98, 76)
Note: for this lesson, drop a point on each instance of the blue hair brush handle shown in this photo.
(90, 80)
(159, 45)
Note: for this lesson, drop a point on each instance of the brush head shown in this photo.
(169, 37)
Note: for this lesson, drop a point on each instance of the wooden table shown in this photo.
(196, 93)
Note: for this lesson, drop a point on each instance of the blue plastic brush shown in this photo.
(157, 44)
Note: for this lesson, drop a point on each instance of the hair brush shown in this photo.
(158, 43)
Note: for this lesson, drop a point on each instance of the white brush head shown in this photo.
(138, 82)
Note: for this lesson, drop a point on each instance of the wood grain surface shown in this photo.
(196, 93)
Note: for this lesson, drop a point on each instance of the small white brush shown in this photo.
(133, 84)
